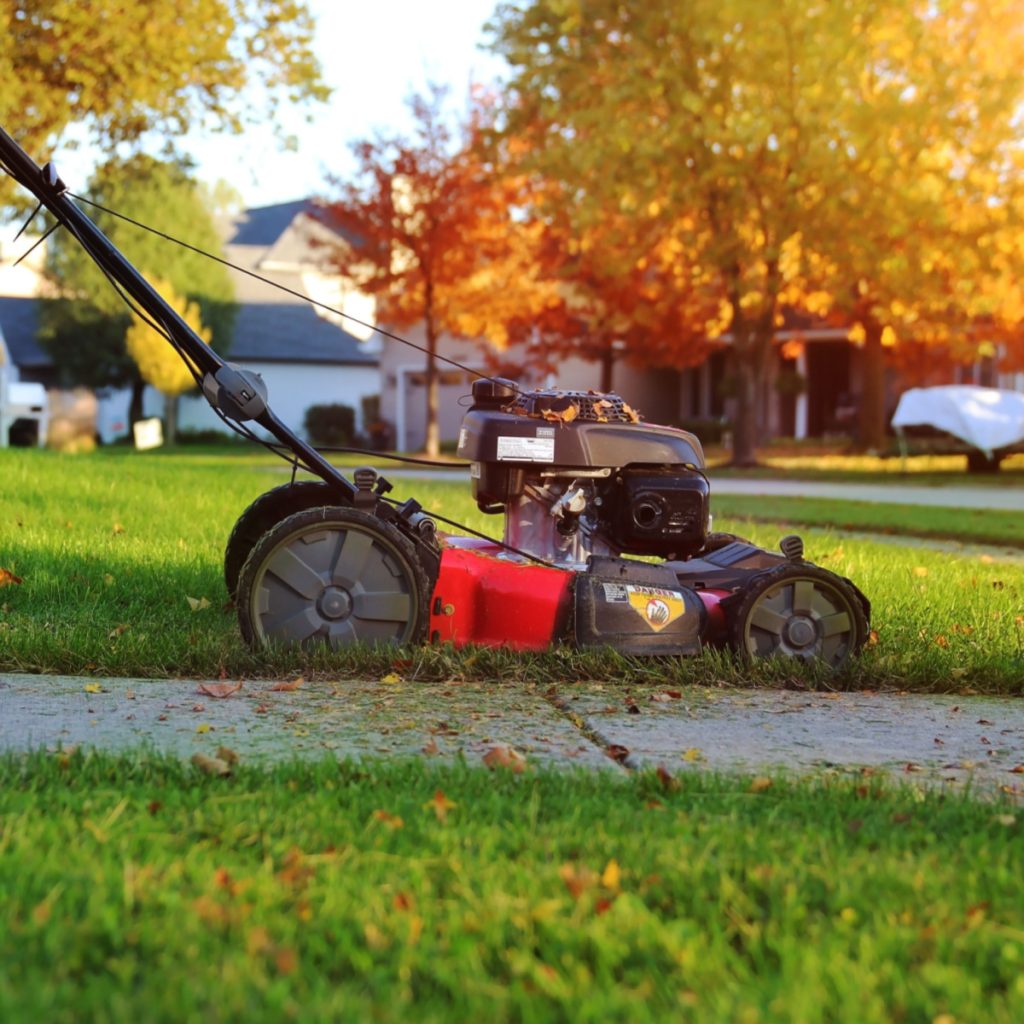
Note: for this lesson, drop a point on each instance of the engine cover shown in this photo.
(658, 511)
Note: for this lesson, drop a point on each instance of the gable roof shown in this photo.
(291, 332)
(264, 225)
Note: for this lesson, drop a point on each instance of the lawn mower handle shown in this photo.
(220, 378)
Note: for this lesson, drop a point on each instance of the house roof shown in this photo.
(264, 225)
(19, 324)
(291, 332)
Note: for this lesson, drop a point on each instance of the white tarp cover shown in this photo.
(987, 418)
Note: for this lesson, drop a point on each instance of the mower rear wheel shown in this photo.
(333, 576)
(798, 611)
(269, 508)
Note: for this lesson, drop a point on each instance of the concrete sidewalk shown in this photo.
(936, 740)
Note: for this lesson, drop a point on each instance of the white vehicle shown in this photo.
(24, 413)
(986, 423)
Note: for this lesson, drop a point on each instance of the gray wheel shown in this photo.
(799, 611)
(332, 576)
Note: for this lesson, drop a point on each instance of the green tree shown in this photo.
(159, 364)
(125, 67)
(85, 330)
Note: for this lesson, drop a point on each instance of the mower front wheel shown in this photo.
(798, 611)
(333, 576)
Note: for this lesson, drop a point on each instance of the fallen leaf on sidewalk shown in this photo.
(289, 686)
(617, 752)
(505, 757)
(219, 690)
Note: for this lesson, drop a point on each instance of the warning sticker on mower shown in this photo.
(526, 449)
(657, 607)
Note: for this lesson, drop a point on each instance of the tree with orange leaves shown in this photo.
(754, 131)
(433, 237)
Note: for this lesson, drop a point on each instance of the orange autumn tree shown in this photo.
(622, 289)
(433, 236)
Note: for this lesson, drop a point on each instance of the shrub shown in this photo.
(330, 424)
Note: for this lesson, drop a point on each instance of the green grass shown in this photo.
(982, 526)
(138, 889)
(820, 462)
(110, 548)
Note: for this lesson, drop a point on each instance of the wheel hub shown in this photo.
(800, 631)
(335, 603)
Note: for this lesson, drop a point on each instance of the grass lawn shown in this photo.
(983, 526)
(111, 547)
(140, 890)
(815, 461)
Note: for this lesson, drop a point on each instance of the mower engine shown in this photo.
(577, 475)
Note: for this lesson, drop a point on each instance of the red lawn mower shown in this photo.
(581, 483)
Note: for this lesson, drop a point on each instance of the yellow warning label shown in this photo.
(658, 608)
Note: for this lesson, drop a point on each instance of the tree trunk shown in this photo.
(744, 428)
(135, 405)
(170, 419)
(433, 433)
(871, 426)
(607, 367)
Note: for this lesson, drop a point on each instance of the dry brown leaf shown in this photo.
(430, 747)
(211, 765)
(118, 630)
(388, 820)
(197, 604)
(566, 415)
(219, 690)
(617, 752)
(505, 757)
(287, 686)
(577, 878)
(760, 783)
(8, 579)
(440, 805)
(227, 755)
(118, 528)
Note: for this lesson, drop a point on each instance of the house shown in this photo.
(307, 356)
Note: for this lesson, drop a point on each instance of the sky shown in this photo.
(373, 55)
